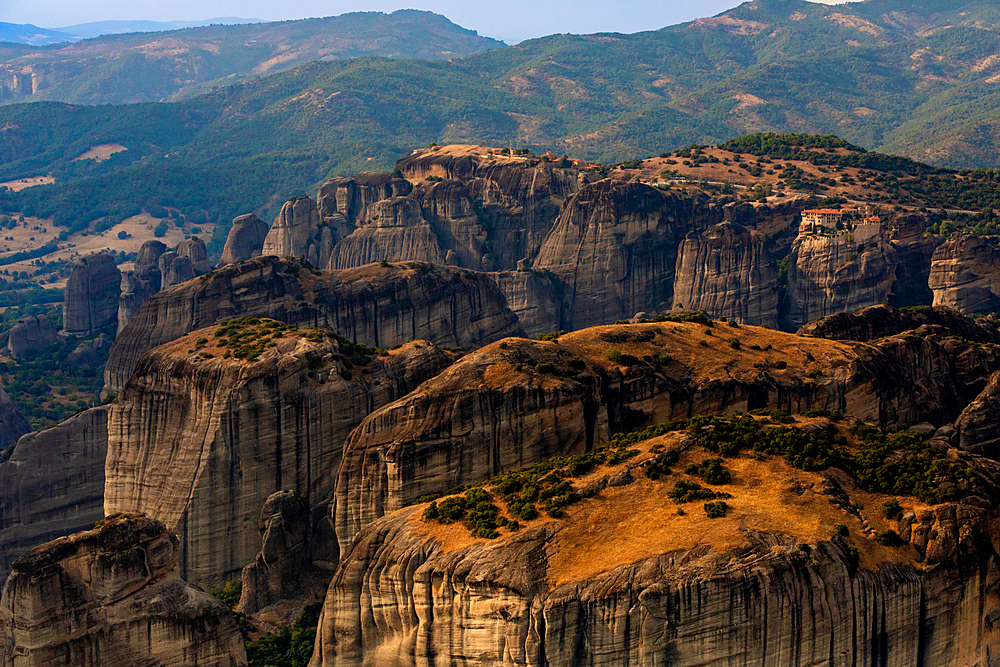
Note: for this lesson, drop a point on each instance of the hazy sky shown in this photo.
(509, 20)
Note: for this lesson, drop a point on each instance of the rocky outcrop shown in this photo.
(195, 251)
(728, 271)
(978, 427)
(134, 293)
(296, 232)
(12, 423)
(760, 600)
(915, 250)
(614, 247)
(536, 297)
(375, 305)
(147, 263)
(175, 269)
(53, 484)
(965, 274)
(92, 291)
(343, 202)
(112, 594)
(276, 573)
(881, 321)
(202, 441)
(395, 231)
(31, 335)
(245, 240)
(837, 274)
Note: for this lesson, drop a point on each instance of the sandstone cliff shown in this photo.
(245, 240)
(838, 274)
(201, 440)
(977, 429)
(614, 247)
(518, 402)
(31, 335)
(375, 305)
(965, 274)
(91, 301)
(728, 271)
(12, 423)
(295, 232)
(112, 596)
(536, 297)
(790, 575)
(53, 484)
(881, 321)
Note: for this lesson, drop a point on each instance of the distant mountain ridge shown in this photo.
(32, 35)
(161, 66)
(99, 28)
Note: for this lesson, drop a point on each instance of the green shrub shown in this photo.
(780, 364)
(545, 368)
(713, 472)
(577, 364)
(614, 355)
(889, 538)
(891, 508)
(230, 593)
(734, 343)
(716, 509)
(840, 530)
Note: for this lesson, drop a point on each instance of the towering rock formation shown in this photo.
(277, 572)
(134, 293)
(881, 321)
(194, 249)
(614, 247)
(245, 240)
(53, 484)
(92, 291)
(965, 274)
(375, 305)
(112, 596)
(977, 429)
(296, 231)
(838, 274)
(346, 200)
(728, 271)
(31, 335)
(147, 263)
(12, 423)
(202, 442)
(394, 231)
(175, 269)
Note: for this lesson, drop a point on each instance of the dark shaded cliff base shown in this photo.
(818, 565)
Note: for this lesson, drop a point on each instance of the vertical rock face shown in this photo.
(766, 602)
(394, 231)
(12, 423)
(31, 335)
(728, 271)
(53, 484)
(375, 305)
(349, 198)
(202, 443)
(194, 249)
(965, 274)
(175, 269)
(614, 248)
(135, 292)
(92, 292)
(245, 240)
(147, 263)
(276, 574)
(836, 274)
(112, 596)
(978, 427)
(536, 297)
(295, 231)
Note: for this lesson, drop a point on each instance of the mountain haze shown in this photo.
(159, 66)
(25, 33)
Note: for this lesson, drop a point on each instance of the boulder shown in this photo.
(965, 273)
(31, 335)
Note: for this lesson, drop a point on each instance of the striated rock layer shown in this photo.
(965, 274)
(31, 335)
(837, 274)
(519, 402)
(728, 271)
(737, 596)
(977, 429)
(13, 424)
(112, 596)
(53, 484)
(202, 443)
(375, 305)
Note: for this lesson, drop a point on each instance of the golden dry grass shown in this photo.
(625, 525)
(23, 183)
(101, 152)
